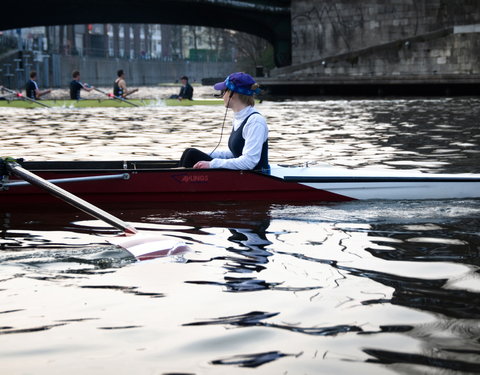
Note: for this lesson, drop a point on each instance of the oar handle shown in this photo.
(69, 198)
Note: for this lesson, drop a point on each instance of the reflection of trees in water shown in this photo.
(452, 243)
(459, 312)
(406, 360)
(451, 342)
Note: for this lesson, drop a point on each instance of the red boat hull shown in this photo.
(173, 185)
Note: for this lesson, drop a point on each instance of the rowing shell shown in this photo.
(160, 181)
(87, 103)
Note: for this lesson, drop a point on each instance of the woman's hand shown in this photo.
(202, 164)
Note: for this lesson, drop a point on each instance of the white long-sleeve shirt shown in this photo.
(255, 133)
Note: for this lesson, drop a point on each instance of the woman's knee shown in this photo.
(189, 157)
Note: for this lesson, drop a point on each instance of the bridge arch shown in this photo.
(268, 19)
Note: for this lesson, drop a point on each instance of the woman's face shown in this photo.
(226, 97)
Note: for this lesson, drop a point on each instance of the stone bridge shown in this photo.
(269, 19)
(320, 45)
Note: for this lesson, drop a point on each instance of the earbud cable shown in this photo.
(223, 126)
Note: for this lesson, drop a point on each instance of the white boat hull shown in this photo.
(383, 184)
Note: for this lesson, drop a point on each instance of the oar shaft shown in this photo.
(116, 97)
(101, 91)
(69, 198)
(25, 97)
(35, 101)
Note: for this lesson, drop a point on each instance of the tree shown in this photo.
(253, 51)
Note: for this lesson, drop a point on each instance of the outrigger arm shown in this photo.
(123, 176)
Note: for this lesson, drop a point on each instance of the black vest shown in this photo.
(117, 91)
(236, 142)
(30, 89)
(75, 88)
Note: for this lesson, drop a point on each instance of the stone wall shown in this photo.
(376, 37)
(441, 53)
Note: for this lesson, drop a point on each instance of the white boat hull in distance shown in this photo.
(370, 183)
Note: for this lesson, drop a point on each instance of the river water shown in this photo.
(362, 287)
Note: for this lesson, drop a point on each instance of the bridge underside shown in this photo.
(268, 19)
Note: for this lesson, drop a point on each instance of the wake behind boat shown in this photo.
(109, 102)
(162, 181)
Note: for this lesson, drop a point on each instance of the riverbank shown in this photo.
(380, 86)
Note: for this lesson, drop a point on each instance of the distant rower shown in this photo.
(186, 91)
(76, 86)
(120, 86)
(31, 88)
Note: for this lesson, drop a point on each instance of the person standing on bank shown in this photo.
(120, 86)
(248, 142)
(31, 88)
(76, 86)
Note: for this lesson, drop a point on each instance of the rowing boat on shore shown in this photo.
(86, 103)
(161, 181)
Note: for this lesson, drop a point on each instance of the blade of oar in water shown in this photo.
(21, 96)
(145, 246)
(141, 245)
(116, 97)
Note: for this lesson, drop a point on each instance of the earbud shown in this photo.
(231, 94)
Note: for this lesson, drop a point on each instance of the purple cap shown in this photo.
(238, 82)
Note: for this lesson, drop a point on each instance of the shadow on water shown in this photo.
(251, 360)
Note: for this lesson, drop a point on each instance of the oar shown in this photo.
(21, 96)
(142, 246)
(116, 97)
(67, 197)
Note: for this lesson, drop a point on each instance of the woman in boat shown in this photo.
(248, 143)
